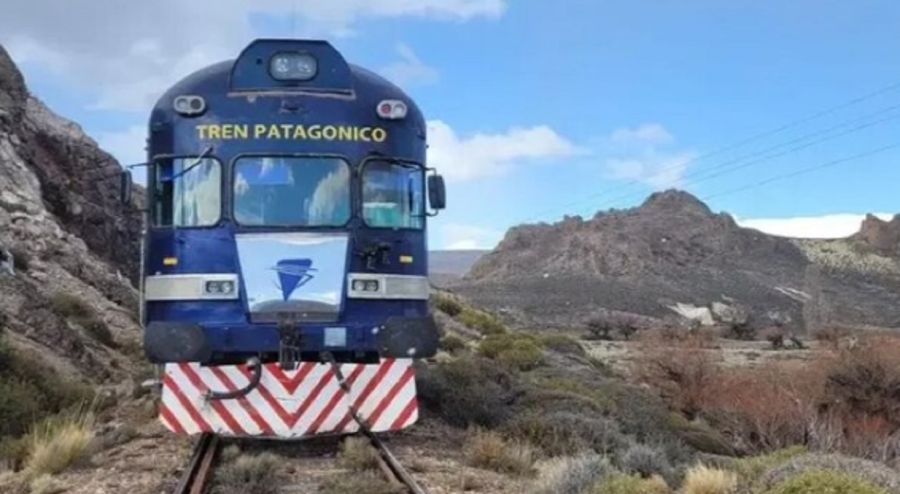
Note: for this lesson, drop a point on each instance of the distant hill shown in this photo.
(449, 265)
(672, 254)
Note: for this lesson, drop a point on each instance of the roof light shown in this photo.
(391, 109)
(293, 66)
(189, 105)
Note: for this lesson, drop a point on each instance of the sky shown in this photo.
(784, 114)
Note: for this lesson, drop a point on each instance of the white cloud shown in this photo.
(456, 236)
(409, 70)
(480, 155)
(825, 226)
(646, 154)
(127, 53)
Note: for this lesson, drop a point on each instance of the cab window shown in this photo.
(187, 192)
(393, 195)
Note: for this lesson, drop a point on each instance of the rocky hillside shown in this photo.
(673, 255)
(71, 305)
(447, 266)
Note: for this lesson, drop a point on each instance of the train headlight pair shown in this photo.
(219, 287)
(293, 66)
(365, 286)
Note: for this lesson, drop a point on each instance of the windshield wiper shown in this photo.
(194, 163)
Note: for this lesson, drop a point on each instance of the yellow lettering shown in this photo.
(286, 130)
(379, 134)
(345, 133)
(240, 131)
(228, 131)
(201, 131)
(365, 134)
(299, 132)
(329, 132)
(258, 130)
(273, 132)
(215, 131)
(315, 132)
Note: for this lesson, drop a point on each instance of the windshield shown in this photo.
(393, 195)
(291, 191)
(187, 192)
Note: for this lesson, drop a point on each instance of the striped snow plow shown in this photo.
(293, 404)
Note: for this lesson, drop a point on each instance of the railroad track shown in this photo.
(197, 476)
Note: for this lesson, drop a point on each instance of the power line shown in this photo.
(803, 171)
(734, 145)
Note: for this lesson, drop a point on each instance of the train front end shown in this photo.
(287, 202)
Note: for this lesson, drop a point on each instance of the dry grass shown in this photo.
(571, 475)
(358, 454)
(824, 481)
(59, 442)
(46, 484)
(701, 479)
(491, 451)
(631, 484)
(249, 474)
(366, 482)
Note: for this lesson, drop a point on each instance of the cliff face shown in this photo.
(674, 250)
(61, 218)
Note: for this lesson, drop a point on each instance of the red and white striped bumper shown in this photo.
(289, 404)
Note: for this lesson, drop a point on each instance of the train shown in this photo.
(285, 250)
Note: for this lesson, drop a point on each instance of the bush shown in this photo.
(868, 471)
(572, 475)
(514, 351)
(825, 482)
(249, 474)
(681, 370)
(491, 451)
(644, 460)
(447, 304)
(751, 468)
(46, 484)
(58, 442)
(631, 484)
(358, 454)
(467, 391)
(563, 344)
(452, 344)
(485, 323)
(564, 433)
(701, 479)
(867, 377)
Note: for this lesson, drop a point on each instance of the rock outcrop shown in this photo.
(673, 251)
(70, 236)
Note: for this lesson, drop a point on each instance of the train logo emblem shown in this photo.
(292, 274)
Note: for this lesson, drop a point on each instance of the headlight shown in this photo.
(219, 287)
(293, 66)
(365, 285)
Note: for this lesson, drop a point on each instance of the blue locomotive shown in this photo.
(286, 214)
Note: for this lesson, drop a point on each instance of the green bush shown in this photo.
(447, 304)
(481, 321)
(563, 344)
(751, 468)
(514, 351)
(467, 391)
(825, 482)
(452, 343)
(565, 433)
(249, 474)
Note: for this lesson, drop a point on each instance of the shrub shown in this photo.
(562, 343)
(563, 433)
(367, 482)
(249, 474)
(76, 310)
(447, 304)
(514, 351)
(751, 468)
(46, 484)
(491, 451)
(467, 391)
(631, 484)
(868, 471)
(20, 403)
(452, 343)
(358, 454)
(866, 378)
(824, 482)
(682, 371)
(485, 323)
(572, 475)
(644, 460)
(701, 479)
(58, 442)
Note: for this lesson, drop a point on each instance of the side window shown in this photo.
(187, 192)
(393, 195)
